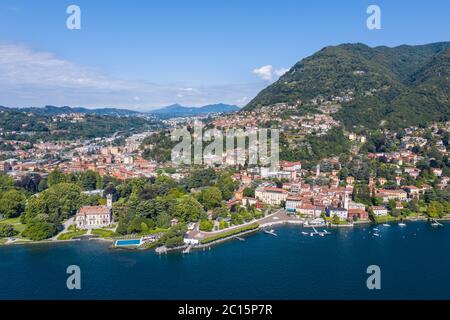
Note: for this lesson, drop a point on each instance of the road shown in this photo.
(278, 217)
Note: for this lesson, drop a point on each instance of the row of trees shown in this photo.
(140, 206)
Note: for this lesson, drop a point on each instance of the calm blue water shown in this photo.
(414, 263)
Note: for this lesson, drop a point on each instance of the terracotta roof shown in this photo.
(294, 198)
(273, 189)
(93, 210)
(356, 211)
(307, 206)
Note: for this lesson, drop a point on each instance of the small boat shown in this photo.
(376, 229)
(305, 233)
(435, 223)
(402, 224)
(376, 235)
(386, 225)
(271, 232)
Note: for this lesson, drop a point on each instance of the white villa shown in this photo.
(379, 211)
(90, 217)
(271, 195)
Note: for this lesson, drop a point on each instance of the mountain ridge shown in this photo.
(179, 110)
(398, 84)
(171, 110)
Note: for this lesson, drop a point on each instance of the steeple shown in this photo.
(109, 201)
(346, 200)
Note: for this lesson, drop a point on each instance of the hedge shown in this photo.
(230, 233)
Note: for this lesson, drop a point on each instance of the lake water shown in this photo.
(414, 262)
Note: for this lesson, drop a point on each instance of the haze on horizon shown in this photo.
(141, 56)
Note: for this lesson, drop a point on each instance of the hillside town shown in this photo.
(396, 179)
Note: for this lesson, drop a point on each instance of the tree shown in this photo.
(206, 225)
(223, 225)
(413, 205)
(188, 208)
(211, 197)
(43, 184)
(362, 194)
(6, 181)
(55, 177)
(57, 203)
(144, 209)
(39, 230)
(174, 237)
(249, 192)
(174, 242)
(247, 216)
(236, 219)
(29, 182)
(12, 203)
(392, 204)
(90, 180)
(7, 230)
(163, 220)
(221, 213)
(435, 209)
(227, 186)
(336, 219)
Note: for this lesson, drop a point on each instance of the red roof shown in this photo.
(93, 210)
(273, 189)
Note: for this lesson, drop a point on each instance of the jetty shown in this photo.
(188, 249)
(161, 250)
(435, 223)
(324, 232)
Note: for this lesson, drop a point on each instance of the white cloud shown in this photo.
(31, 78)
(242, 100)
(267, 73)
(188, 89)
(281, 72)
(19, 65)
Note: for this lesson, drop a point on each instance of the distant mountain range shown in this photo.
(177, 110)
(397, 87)
(53, 111)
(174, 110)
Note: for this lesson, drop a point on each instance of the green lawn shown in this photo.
(2, 241)
(104, 233)
(229, 233)
(15, 222)
(384, 219)
(157, 230)
(72, 234)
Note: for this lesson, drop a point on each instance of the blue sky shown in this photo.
(142, 54)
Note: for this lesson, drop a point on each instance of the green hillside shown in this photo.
(405, 85)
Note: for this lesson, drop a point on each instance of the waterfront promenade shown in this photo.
(276, 218)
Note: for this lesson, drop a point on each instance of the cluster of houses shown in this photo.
(122, 162)
(316, 123)
(314, 201)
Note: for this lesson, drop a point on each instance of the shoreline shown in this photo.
(218, 241)
(31, 242)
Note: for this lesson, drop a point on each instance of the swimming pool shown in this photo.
(128, 243)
